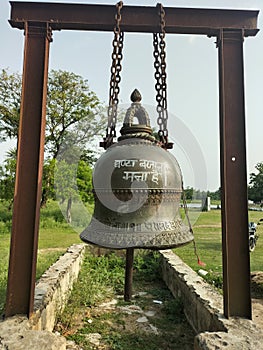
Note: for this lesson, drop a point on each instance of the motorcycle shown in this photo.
(253, 236)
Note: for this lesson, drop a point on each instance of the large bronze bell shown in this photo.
(137, 187)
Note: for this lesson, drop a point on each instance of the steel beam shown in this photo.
(236, 263)
(24, 238)
(134, 18)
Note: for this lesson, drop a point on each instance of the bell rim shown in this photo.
(96, 234)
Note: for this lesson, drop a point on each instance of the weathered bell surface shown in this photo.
(137, 187)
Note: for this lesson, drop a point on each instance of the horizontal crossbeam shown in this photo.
(134, 18)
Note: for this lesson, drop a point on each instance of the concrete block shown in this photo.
(203, 307)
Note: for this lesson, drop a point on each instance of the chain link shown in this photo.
(161, 77)
(115, 78)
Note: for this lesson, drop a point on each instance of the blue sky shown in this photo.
(192, 81)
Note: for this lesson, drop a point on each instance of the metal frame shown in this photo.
(230, 27)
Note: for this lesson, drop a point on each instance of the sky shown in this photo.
(192, 70)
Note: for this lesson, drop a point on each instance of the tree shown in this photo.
(74, 118)
(10, 95)
(255, 189)
(71, 103)
(73, 181)
(48, 190)
(7, 177)
(189, 191)
(216, 195)
(84, 181)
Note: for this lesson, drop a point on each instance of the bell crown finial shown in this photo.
(136, 96)
(136, 111)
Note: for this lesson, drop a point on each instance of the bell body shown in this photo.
(137, 188)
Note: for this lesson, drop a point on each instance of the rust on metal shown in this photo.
(115, 79)
(24, 238)
(134, 18)
(236, 264)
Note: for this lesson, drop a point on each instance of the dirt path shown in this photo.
(257, 298)
(257, 312)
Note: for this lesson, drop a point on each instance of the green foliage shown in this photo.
(84, 181)
(74, 119)
(5, 221)
(51, 216)
(174, 309)
(99, 278)
(216, 279)
(255, 190)
(147, 265)
(70, 102)
(48, 190)
(216, 195)
(10, 94)
(192, 194)
(73, 175)
(189, 192)
(7, 179)
(65, 180)
(73, 183)
(5, 212)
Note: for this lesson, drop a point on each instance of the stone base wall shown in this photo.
(202, 305)
(54, 287)
(203, 308)
(51, 295)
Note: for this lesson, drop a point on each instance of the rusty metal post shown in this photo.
(24, 238)
(128, 274)
(134, 18)
(236, 262)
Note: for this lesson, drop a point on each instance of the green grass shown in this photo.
(208, 239)
(55, 236)
(101, 279)
(210, 218)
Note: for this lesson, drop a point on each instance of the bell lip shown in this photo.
(151, 247)
(96, 234)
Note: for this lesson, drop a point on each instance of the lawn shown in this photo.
(56, 235)
(207, 233)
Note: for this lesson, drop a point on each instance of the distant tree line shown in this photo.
(255, 188)
(191, 194)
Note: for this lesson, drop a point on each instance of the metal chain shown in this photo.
(161, 76)
(115, 78)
